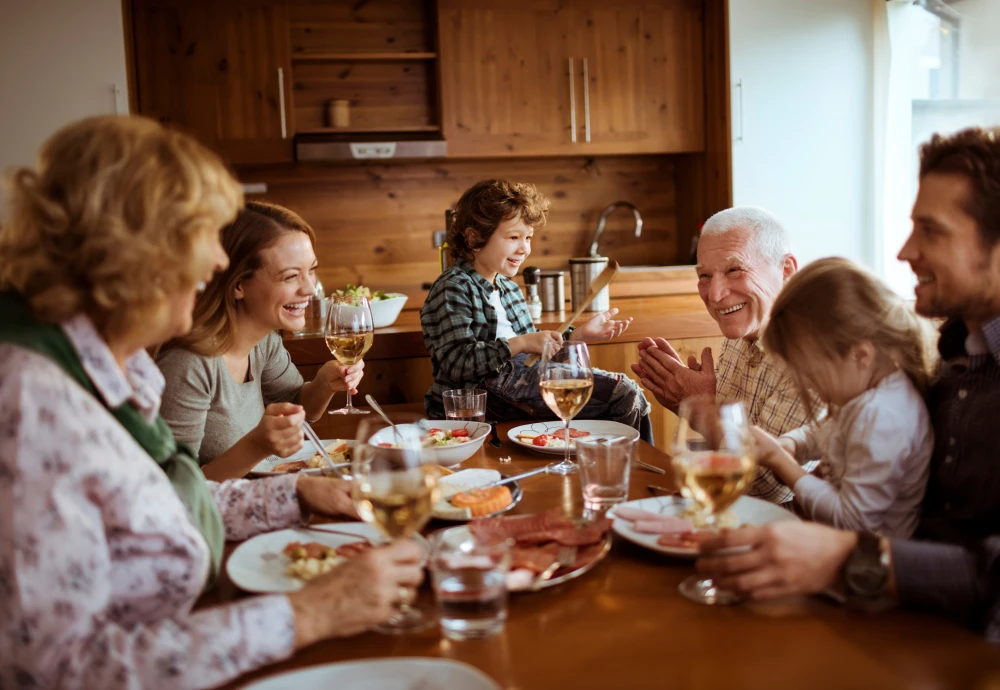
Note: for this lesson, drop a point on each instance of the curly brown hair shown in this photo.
(108, 221)
(487, 204)
(973, 153)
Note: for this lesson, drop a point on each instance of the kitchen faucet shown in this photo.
(602, 221)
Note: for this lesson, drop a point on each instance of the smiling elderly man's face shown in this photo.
(737, 284)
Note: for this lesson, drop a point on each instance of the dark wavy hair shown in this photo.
(973, 153)
(485, 205)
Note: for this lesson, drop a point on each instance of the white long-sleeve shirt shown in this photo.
(875, 458)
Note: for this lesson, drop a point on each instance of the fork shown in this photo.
(566, 558)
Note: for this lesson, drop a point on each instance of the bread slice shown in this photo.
(483, 501)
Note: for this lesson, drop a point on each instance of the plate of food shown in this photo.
(461, 497)
(306, 461)
(285, 560)
(450, 441)
(549, 437)
(409, 673)
(385, 306)
(668, 524)
(537, 539)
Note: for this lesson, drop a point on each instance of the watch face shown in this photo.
(866, 579)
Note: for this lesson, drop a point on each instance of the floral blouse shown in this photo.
(99, 563)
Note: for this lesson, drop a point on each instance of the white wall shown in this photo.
(979, 48)
(60, 60)
(807, 68)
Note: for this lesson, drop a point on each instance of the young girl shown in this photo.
(848, 338)
(476, 325)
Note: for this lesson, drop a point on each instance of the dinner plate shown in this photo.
(749, 511)
(265, 468)
(596, 428)
(516, 494)
(383, 674)
(258, 564)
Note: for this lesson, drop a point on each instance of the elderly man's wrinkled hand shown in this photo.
(783, 558)
(663, 373)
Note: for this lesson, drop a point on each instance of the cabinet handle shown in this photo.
(586, 102)
(572, 105)
(739, 85)
(281, 102)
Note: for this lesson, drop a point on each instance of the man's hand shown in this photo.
(601, 327)
(785, 558)
(662, 372)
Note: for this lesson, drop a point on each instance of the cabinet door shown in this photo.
(212, 69)
(504, 78)
(644, 88)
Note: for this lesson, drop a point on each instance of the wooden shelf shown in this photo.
(360, 57)
(370, 130)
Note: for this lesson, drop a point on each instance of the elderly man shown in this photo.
(743, 261)
(954, 570)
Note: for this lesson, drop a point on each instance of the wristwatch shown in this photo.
(866, 572)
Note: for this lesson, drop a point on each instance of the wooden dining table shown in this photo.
(624, 624)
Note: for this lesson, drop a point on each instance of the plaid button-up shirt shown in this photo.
(748, 374)
(460, 328)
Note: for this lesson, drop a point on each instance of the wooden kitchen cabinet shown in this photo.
(219, 70)
(506, 75)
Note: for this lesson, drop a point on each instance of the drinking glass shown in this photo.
(604, 472)
(466, 405)
(566, 384)
(469, 574)
(395, 489)
(314, 317)
(349, 334)
(714, 463)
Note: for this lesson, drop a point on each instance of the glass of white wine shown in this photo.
(395, 488)
(349, 334)
(714, 464)
(566, 384)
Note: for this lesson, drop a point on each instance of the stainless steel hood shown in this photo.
(379, 146)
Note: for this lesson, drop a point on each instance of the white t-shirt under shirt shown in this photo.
(504, 329)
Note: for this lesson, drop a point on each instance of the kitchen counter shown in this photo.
(670, 316)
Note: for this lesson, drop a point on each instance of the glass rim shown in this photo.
(456, 392)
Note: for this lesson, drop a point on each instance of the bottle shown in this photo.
(531, 276)
(444, 253)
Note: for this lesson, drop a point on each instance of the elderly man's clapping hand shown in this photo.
(665, 375)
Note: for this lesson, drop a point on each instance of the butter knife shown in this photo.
(516, 477)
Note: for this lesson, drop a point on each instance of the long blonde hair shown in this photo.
(257, 227)
(107, 222)
(833, 304)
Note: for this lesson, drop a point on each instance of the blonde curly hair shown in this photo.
(107, 222)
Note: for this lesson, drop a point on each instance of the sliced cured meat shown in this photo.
(355, 548)
(632, 514)
(673, 525)
(587, 555)
(514, 527)
(689, 540)
(293, 466)
(569, 536)
(534, 558)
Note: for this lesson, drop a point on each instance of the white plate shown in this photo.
(750, 511)
(265, 467)
(447, 456)
(451, 484)
(383, 674)
(258, 564)
(595, 427)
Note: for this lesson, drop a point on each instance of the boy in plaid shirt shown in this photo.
(476, 325)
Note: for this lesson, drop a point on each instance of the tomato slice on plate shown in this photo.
(385, 445)
(459, 433)
(540, 440)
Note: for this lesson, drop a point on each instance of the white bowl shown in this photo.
(444, 455)
(386, 311)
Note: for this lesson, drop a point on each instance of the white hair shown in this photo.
(767, 235)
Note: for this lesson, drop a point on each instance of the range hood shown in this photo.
(338, 146)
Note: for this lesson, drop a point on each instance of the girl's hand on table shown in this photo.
(326, 496)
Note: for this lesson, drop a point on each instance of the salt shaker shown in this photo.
(531, 276)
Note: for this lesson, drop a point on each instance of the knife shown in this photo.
(516, 477)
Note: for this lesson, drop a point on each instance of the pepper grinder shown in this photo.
(532, 275)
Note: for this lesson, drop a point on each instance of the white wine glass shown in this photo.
(395, 488)
(714, 464)
(566, 384)
(349, 334)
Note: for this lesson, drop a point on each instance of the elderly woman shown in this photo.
(232, 392)
(108, 530)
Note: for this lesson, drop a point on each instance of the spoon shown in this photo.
(375, 406)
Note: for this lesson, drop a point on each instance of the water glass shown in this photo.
(604, 467)
(469, 575)
(465, 405)
(315, 317)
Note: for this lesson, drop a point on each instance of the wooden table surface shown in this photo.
(624, 625)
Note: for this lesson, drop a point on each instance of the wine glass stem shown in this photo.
(348, 405)
(566, 459)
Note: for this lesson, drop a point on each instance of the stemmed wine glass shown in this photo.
(714, 463)
(349, 334)
(566, 384)
(395, 489)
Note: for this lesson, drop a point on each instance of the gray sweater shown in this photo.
(210, 411)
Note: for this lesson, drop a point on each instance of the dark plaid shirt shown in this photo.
(460, 328)
(956, 570)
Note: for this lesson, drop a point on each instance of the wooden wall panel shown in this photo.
(374, 222)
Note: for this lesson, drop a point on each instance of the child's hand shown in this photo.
(534, 343)
(601, 327)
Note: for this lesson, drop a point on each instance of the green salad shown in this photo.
(355, 293)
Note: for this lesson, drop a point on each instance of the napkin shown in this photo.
(452, 484)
